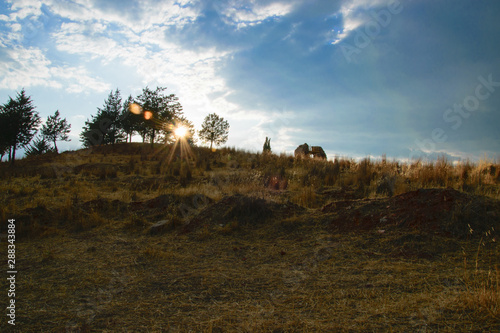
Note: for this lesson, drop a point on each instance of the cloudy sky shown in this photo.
(357, 77)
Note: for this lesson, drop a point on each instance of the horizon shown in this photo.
(359, 78)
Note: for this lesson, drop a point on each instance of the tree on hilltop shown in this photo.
(267, 146)
(214, 130)
(4, 133)
(105, 127)
(39, 146)
(21, 121)
(159, 110)
(56, 128)
(131, 122)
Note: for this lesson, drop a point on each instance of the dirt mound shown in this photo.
(442, 211)
(161, 202)
(103, 206)
(244, 210)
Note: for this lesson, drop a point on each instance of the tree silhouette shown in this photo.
(130, 122)
(39, 146)
(105, 127)
(214, 130)
(4, 133)
(162, 110)
(21, 120)
(56, 128)
(267, 146)
(180, 121)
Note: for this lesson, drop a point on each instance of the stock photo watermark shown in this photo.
(364, 37)
(455, 115)
(11, 271)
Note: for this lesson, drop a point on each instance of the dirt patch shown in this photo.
(244, 210)
(443, 211)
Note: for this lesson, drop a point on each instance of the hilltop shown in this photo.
(125, 237)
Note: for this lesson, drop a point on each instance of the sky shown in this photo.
(361, 78)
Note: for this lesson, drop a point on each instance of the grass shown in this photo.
(344, 246)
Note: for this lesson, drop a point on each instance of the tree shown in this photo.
(4, 133)
(159, 110)
(214, 130)
(130, 122)
(105, 126)
(39, 146)
(111, 112)
(267, 146)
(170, 135)
(56, 128)
(21, 120)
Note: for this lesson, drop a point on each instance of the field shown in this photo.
(128, 239)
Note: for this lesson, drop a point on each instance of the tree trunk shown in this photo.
(13, 154)
(153, 140)
(211, 142)
(55, 147)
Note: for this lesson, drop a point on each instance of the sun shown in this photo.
(181, 132)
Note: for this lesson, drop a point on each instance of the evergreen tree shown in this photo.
(105, 127)
(21, 121)
(130, 122)
(267, 146)
(214, 130)
(39, 146)
(4, 133)
(159, 111)
(56, 128)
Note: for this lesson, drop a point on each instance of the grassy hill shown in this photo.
(125, 238)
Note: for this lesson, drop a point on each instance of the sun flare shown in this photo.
(135, 108)
(148, 115)
(181, 132)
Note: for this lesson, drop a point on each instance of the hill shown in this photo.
(127, 238)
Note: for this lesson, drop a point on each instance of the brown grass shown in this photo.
(241, 255)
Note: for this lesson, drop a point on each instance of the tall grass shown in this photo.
(482, 283)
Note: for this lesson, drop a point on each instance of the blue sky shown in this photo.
(359, 78)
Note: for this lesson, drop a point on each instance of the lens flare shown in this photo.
(181, 132)
(148, 115)
(135, 108)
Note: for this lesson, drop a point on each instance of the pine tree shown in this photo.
(4, 133)
(105, 127)
(267, 146)
(21, 120)
(39, 146)
(161, 110)
(130, 122)
(56, 128)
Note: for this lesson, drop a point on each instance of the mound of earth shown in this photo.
(442, 211)
(244, 210)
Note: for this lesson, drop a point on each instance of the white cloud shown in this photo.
(22, 9)
(249, 14)
(78, 79)
(26, 67)
(156, 59)
(146, 15)
(136, 39)
(355, 13)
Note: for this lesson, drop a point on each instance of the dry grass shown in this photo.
(242, 254)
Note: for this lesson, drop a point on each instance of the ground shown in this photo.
(234, 254)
